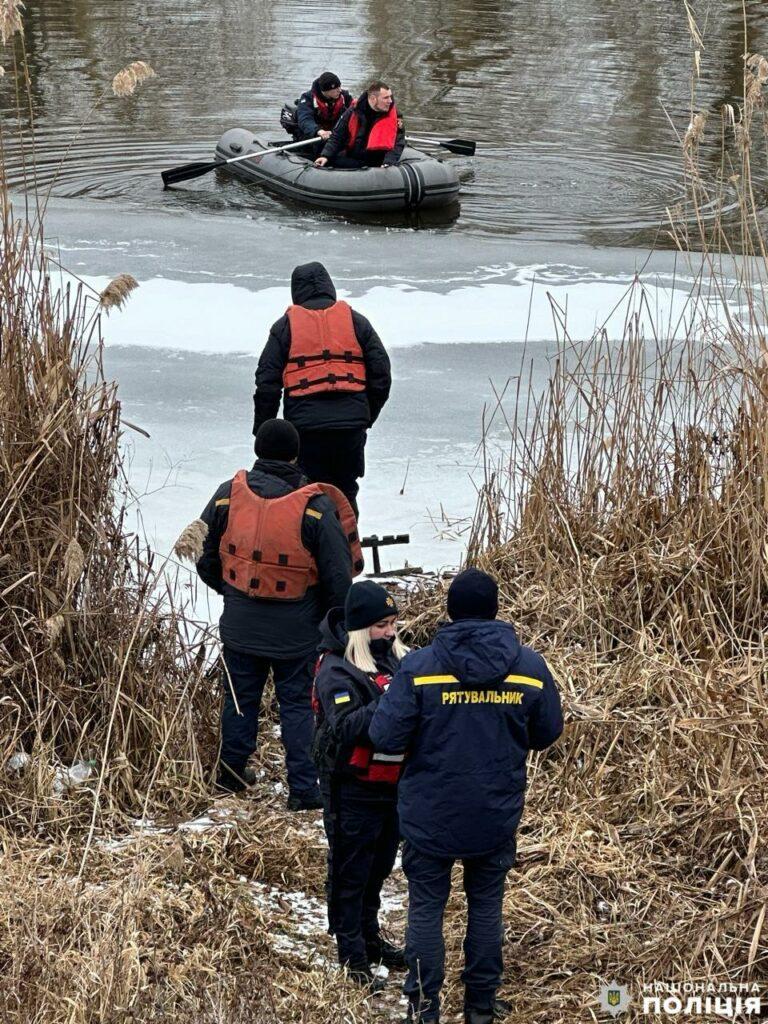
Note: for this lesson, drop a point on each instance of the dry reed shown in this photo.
(10, 19)
(126, 81)
(117, 291)
(189, 546)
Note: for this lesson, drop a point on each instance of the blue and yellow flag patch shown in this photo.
(341, 698)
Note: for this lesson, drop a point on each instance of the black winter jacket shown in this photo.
(467, 709)
(340, 135)
(307, 114)
(273, 628)
(357, 695)
(312, 287)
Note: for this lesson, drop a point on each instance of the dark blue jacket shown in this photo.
(308, 116)
(467, 709)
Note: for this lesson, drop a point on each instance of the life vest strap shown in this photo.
(331, 378)
(348, 357)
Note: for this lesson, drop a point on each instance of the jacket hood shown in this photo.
(479, 652)
(311, 281)
(333, 636)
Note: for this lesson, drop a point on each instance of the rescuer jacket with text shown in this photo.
(466, 710)
(313, 289)
(345, 699)
(278, 628)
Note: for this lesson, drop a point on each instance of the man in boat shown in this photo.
(319, 109)
(466, 710)
(369, 134)
(281, 552)
(329, 366)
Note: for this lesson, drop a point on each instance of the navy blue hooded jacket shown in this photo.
(467, 709)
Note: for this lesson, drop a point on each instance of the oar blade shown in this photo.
(188, 171)
(462, 146)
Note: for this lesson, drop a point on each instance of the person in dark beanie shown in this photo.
(318, 110)
(360, 651)
(466, 710)
(281, 552)
(329, 366)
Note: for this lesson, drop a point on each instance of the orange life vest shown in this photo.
(325, 354)
(383, 134)
(261, 551)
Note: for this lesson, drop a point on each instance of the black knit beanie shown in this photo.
(366, 604)
(277, 439)
(473, 595)
(328, 81)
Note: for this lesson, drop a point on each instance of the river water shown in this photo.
(576, 107)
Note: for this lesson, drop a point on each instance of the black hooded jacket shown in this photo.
(307, 114)
(312, 287)
(340, 136)
(273, 628)
(348, 698)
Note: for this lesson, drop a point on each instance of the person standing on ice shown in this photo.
(465, 710)
(359, 653)
(329, 366)
(281, 552)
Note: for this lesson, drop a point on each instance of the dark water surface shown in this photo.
(571, 102)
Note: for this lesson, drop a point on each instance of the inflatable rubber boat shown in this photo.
(418, 182)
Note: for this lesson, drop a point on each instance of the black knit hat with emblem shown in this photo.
(367, 603)
(328, 81)
(277, 439)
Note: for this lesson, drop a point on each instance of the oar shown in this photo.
(189, 171)
(462, 146)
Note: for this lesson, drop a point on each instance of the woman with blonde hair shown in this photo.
(359, 653)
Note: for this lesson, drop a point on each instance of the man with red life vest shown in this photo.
(329, 366)
(370, 134)
(319, 109)
(360, 652)
(281, 552)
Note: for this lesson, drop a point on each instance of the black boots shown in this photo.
(379, 951)
(498, 1012)
(304, 802)
(363, 976)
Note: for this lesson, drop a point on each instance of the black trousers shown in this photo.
(429, 886)
(363, 836)
(334, 457)
(240, 717)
